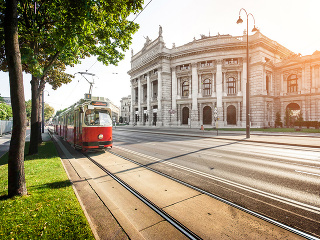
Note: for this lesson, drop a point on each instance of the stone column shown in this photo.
(174, 88)
(317, 74)
(132, 119)
(281, 85)
(213, 86)
(264, 80)
(238, 114)
(174, 95)
(224, 85)
(200, 85)
(140, 98)
(244, 92)
(225, 122)
(159, 111)
(219, 92)
(302, 81)
(149, 96)
(271, 83)
(313, 77)
(194, 95)
(239, 84)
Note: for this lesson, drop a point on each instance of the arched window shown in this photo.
(206, 87)
(231, 84)
(292, 83)
(185, 89)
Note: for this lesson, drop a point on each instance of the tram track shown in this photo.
(177, 224)
(180, 227)
(253, 213)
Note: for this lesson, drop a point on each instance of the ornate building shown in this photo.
(125, 109)
(203, 82)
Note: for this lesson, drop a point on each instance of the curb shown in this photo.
(225, 138)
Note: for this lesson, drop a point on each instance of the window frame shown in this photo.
(185, 88)
(292, 83)
(231, 85)
(207, 87)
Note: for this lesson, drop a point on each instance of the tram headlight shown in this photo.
(100, 136)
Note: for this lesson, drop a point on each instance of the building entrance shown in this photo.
(207, 115)
(231, 115)
(185, 115)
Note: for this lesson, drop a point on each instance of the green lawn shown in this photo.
(305, 130)
(50, 210)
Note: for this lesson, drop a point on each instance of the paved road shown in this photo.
(5, 142)
(279, 181)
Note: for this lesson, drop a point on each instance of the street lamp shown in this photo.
(43, 109)
(247, 83)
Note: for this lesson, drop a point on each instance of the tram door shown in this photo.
(77, 127)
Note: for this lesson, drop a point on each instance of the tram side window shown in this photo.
(98, 118)
(70, 119)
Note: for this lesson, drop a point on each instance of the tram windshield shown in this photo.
(97, 117)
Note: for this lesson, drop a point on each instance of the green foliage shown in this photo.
(59, 112)
(278, 122)
(54, 34)
(28, 109)
(299, 120)
(5, 111)
(288, 118)
(48, 111)
(51, 209)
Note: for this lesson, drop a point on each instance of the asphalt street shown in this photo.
(280, 181)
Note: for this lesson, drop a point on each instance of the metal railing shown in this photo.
(5, 126)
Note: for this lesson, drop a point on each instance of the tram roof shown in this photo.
(84, 102)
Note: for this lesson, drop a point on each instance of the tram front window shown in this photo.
(98, 117)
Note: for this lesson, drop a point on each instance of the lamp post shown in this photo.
(43, 110)
(247, 83)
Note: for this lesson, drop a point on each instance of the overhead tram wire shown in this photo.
(132, 21)
(142, 10)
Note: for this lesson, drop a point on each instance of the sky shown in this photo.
(292, 23)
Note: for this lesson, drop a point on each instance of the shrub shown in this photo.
(278, 122)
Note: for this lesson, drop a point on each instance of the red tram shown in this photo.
(86, 125)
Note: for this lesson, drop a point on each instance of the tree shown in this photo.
(278, 122)
(288, 117)
(48, 111)
(5, 111)
(28, 110)
(300, 119)
(16, 176)
(57, 33)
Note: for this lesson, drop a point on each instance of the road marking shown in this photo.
(307, 173)
(231, 183)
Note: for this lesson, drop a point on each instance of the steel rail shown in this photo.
(255, 214)
(183, 229)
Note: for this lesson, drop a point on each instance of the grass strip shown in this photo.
(50, 210)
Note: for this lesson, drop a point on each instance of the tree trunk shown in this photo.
(16, 175)
(35, 124)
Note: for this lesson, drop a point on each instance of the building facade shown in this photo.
(125, 109)
(203, 82)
